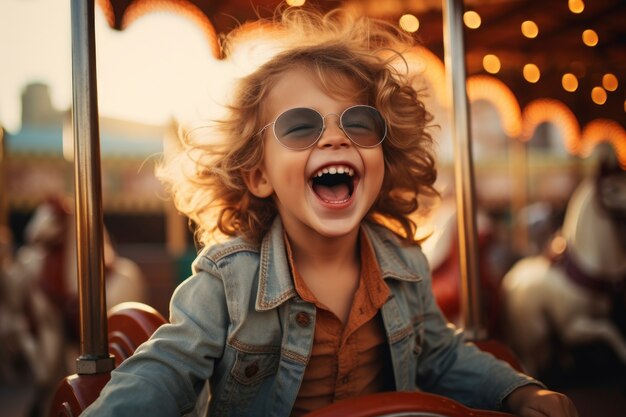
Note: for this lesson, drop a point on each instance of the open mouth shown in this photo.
(334, 184)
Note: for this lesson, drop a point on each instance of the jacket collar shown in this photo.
(275, 281)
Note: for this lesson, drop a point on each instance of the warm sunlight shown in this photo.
(148, 75)
(145, 74)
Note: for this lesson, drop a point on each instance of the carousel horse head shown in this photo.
(52, 232)
(570, 296)
(594, 229)
(48, 223)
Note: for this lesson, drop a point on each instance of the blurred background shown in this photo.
(547, 91)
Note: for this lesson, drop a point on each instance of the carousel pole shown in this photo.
(4, 203)
(94, 353)
(463, 169)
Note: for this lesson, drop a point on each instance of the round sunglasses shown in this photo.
(300, 128)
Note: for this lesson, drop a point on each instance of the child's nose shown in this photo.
(333, 135)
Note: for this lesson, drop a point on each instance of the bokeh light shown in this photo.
(491, 63)
(590, 37)
(531, 73)
(409, 23)
(598, 95)
(576, 6)
(569, 82)
(472, 19)
(530, 29)
(609, 82)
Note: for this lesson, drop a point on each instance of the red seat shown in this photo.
(130, 324)
(408, 404)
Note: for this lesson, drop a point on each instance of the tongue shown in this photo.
(339, 192)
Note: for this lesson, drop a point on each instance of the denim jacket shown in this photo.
(239, 324)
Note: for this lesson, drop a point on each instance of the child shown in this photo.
(321, 292)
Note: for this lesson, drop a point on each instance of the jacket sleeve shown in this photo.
(450, 366)
(165, 374)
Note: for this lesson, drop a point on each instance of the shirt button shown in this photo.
(345, 380)
(251, 370)
(303, 319)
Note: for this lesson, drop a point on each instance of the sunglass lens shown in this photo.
(298, 128)
(364, 125)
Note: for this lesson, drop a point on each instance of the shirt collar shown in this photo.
(275, 282)
(369, 278)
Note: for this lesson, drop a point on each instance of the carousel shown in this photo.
(522, 161)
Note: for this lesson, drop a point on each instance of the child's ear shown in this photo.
(258, 183)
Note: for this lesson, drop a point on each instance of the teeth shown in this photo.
(335, 169)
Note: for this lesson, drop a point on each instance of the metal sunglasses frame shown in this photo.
(273, 124)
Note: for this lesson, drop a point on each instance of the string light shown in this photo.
(590, 37)
(472, 19)
(609, 82)
(576, 6)
(569, 82)
(530, 29)
(531, 73)
(598, 95)
(409, 23)
(296, 3)
(491, 63)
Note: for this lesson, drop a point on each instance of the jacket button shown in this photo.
(251, 370)
(303, 319)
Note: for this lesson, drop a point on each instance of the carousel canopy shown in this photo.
(572, 51)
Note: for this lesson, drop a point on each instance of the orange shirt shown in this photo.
(352, 359)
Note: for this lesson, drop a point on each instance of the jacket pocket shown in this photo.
(247, 384)
(251, 368)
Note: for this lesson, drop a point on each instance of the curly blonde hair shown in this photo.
(206, 176)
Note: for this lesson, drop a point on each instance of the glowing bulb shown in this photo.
(491, 63)
(472, 19)
(531, 73)
(598, 95)
(530, 29)
(576, 6)
(409, 23)
(569, 82)
(609, 82)
(590, 37)
(296, 3)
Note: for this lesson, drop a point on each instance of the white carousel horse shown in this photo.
(31, 329)
(51, 242)
(570, 295)
(41, 284)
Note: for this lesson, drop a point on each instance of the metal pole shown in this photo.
(94, 352)
(463, 169)
(4, 198)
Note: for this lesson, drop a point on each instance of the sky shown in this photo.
(157, 69)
